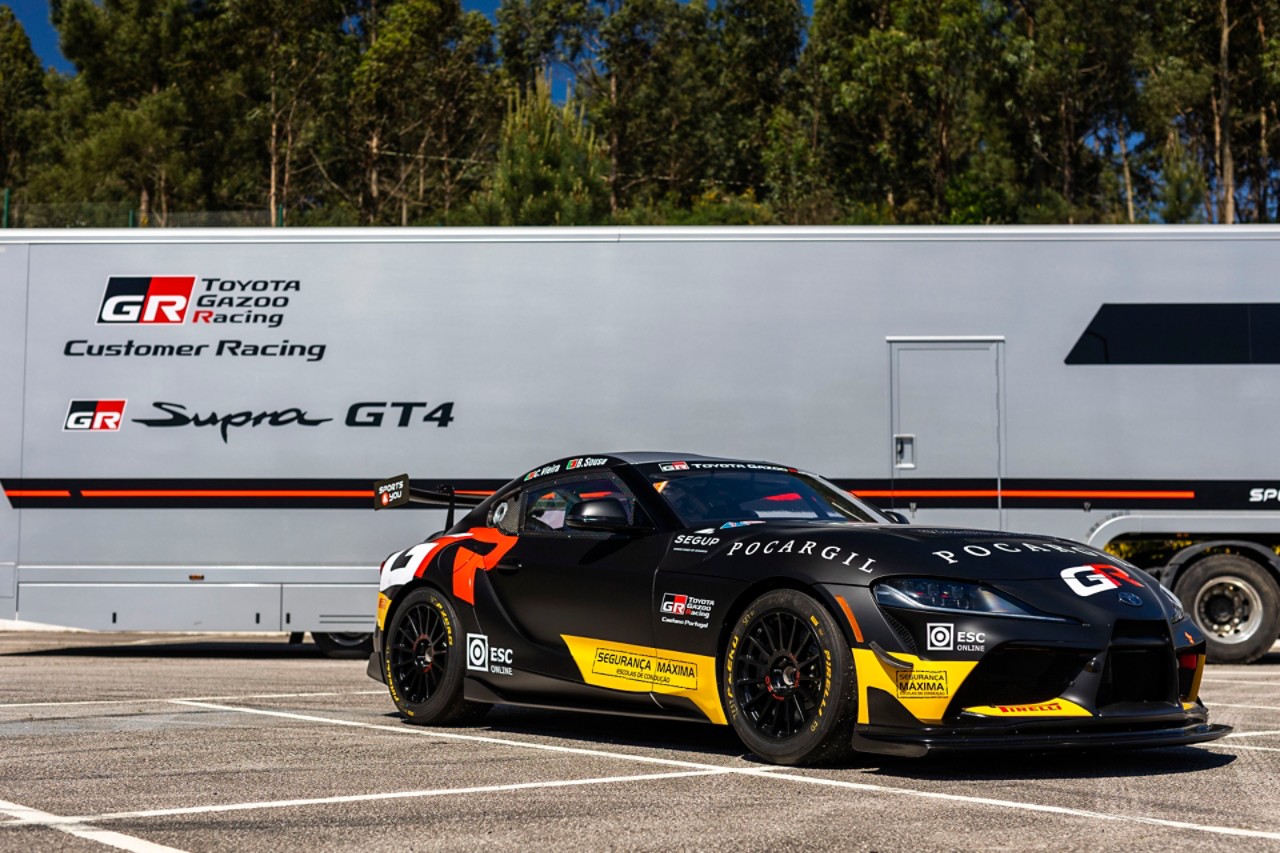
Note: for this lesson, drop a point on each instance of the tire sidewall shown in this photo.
(1203, 573)
(825, 737)
(444, 701)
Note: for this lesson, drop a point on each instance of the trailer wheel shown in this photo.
(1236, 603)
(424, 661)
(789, 685)
(345, 646)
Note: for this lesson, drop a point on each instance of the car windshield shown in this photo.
(701, 497)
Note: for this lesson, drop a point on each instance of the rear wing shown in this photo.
(397, 491)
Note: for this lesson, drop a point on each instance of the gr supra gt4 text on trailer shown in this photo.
(762, 597)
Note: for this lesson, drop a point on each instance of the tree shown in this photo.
(544, 39)
(21, 89)
(652, 96)
(551, 168)
(426, 99)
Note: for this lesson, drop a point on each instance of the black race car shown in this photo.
(763, 597)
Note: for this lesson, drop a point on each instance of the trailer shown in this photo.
(191, 420)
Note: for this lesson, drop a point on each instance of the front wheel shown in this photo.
(1235, 602)
(423, 661)
(789, 685)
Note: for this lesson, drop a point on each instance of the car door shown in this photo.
(577, 604)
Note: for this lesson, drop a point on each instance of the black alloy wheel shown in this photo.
(423, 665)
(789, 685)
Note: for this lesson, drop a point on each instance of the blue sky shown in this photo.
(34, 15)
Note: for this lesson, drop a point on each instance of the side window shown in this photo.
(545, 506)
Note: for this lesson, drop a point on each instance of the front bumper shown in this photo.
(375, 669)
(1039, 738)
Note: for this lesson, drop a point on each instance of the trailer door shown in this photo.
(946, 439)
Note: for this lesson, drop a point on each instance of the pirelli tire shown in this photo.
(1235, 602)
(789, 686)
(424, 659)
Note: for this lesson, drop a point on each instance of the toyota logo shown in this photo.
(1130, 599)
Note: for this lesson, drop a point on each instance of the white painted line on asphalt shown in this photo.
(1254, 734)
(192, 698)
(80, 830)
(397, 795)
(1243, 746)
(1239, 681)
(771, 773)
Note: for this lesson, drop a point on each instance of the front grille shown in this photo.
(1140, 664)
(1016, 674)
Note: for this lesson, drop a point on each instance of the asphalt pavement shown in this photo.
(153, 743)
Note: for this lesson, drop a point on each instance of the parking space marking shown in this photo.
(395, 795)
(1243, 746)
(1239, 681)
(1255, 734)
(771, 773)
(72, 827)
(192, 698)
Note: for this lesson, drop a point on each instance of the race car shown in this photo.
(763, 597)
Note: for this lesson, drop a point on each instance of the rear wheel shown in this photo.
(348, 646)
(424, 663)
(789, 685)
(1235, 602)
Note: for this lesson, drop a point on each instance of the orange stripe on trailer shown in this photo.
(226, 493)
(853, 623)
(37, 493)
(1023, 493)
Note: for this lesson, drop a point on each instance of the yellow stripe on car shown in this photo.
(925, 690)
(644, 669)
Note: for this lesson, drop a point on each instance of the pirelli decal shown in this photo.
(642, 669)
(1055, 708)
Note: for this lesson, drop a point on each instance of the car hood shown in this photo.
(860, 553)
(1051, 574)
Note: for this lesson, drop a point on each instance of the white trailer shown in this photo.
(190, 420)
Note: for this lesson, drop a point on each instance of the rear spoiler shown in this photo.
(396, 491)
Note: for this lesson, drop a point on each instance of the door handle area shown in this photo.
(904, 451)
(509, 566)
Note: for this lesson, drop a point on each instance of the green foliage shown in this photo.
(21, 90)
(385, 112)
(551, 168)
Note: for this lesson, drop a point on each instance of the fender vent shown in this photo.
(904, 635)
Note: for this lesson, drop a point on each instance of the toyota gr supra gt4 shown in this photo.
(763, 597)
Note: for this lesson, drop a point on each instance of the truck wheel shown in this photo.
(345, 646)
(1236, 603)
(789, 682)
(424, 663)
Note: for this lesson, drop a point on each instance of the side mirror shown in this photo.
(895, 516)
(601, 514)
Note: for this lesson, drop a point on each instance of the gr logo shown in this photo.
(94, 416)
(940, 637)
(157, 299)
(1093, 579)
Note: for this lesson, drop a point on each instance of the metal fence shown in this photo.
(16, 212)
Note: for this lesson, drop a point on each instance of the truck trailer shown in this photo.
(191, 420)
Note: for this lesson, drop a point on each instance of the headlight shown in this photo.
(952, 597)
(1176, 611)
